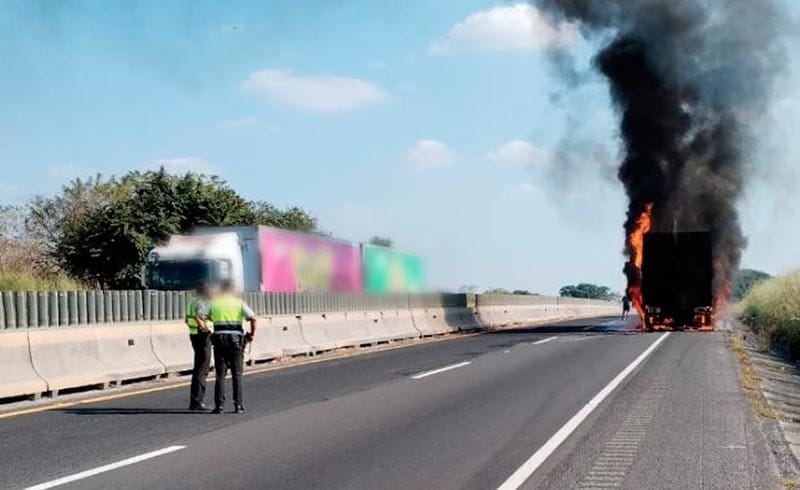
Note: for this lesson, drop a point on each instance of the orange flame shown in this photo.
(636, 244)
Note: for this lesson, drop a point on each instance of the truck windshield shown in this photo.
(179, 275)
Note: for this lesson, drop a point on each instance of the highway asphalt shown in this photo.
(573, 405)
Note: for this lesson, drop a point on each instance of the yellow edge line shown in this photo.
(144, 391)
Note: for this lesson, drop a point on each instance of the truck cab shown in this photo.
(188, 259)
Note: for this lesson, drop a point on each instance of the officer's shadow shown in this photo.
(129, 411)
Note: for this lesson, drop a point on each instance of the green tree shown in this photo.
(497, 291)
(746, 279)
(381, 241)
(100, 230)
(590, 291)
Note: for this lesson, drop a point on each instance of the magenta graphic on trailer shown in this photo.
(292, 262)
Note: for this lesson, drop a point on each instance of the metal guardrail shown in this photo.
(526, 299)
(46, 309)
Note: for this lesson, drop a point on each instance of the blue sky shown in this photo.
(428, 122)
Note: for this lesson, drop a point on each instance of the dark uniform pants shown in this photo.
(201, 344)
(228, 354)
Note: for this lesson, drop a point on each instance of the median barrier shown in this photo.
(399, 324)
(364, 328)
(68, 358)
(267, 343)
(127, 353)
(493, 316)
(316, 334)
(422, 323)
(19, 376)
(461, 319)
(436, 319)
(171, 346)
(281, 335)
(338, 329)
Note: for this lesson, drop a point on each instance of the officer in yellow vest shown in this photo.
(200, 328)
(228, 312)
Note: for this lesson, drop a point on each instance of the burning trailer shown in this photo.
(677, 281)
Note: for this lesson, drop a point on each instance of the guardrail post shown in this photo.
(72, 305)
(33, 308)
(138, 304)
(108, 306)
(44, 312)
(168, 305)
(22, 309)
(10, 309)
(83, 312)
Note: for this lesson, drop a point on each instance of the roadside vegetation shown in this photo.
(772, 309)
(97, 232)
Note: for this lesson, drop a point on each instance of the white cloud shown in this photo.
(183, 165)
(506, 28)
(429, 154)
(325, 94)
(517, 152)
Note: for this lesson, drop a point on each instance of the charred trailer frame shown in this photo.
(677, 280)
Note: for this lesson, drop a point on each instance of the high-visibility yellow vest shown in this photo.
(227, 313)
(191, 314)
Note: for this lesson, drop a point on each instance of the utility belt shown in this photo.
(228, 328)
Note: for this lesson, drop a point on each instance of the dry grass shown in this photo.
(790, 483)
(750, 381)
(22, 281)
(772, 310)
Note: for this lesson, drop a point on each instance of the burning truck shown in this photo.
(677, 281)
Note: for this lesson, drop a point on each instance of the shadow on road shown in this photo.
(608, 325)
(130, 411)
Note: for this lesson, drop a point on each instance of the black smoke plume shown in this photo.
(687, 78)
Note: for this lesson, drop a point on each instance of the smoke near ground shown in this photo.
(687, 77)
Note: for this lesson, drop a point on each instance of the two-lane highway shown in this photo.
(479, 412)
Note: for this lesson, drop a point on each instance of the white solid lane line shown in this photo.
(105, 468)
(544, 341)
(441, 370)
(540, 456)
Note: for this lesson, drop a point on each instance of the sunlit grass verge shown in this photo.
(750, 381)
(23, 281)
(772, 310)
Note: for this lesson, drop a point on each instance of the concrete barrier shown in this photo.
(171, 346)
(126, 352)
(366, 328)
(422, 323)
(319, 335)
(19, 376)
(68, 358)
(279, 336)
(436, 319)
(266, 346)
(493, 316)
(461, 319)
(399, 324)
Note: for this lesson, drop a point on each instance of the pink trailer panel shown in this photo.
(293, 262)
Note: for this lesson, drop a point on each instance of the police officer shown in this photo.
(228, 311)
(200, 328)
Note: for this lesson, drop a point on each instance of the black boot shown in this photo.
(239, 409)
(217, 410)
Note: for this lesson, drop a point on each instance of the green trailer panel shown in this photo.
(391, 271)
